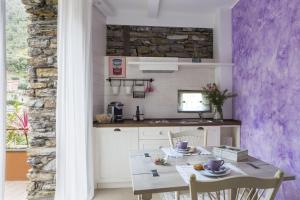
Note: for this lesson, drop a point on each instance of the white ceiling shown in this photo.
(178, 6)
(180, 13)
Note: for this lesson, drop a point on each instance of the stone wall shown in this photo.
(159, 41)
(42, 44)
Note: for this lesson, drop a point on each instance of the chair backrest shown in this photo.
(236, 188)
(194, 138)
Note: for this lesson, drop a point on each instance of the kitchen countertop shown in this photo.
(170, 122)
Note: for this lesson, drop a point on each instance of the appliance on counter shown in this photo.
(115, 110)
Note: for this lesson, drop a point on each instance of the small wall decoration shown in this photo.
(117, 67)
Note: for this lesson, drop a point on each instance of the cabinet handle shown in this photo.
(200, 128)
(160, 133)
(117, 130)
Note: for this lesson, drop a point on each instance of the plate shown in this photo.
(222, 170)
(183, 150)
(187, 150)
(207, 173)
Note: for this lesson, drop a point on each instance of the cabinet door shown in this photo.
(112, 147)
(213, 136)
(156, 132)
(153, 144)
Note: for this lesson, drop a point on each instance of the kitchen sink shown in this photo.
(162, 121)
(183, 121)
(195, 121)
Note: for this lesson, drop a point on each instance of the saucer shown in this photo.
(183, 150)
(222, 170)
(209, 174)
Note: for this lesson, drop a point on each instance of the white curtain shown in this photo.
(2, 97)
(74, 171)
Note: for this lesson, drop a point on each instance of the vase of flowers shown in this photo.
(217, 99)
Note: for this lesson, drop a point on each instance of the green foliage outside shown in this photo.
(16, 37)
(16, 58)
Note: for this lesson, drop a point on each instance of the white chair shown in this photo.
(194, 138)
(236, 188)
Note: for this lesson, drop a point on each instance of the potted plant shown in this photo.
(17, 144)
(217, 99)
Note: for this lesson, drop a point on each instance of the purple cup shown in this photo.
(182, 145)
(215, 165)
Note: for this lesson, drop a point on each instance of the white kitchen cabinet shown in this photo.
(146, 133)
(112, 147)
(213, 133)
(153, 144)
(155, 137)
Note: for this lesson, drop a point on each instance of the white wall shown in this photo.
(162, 103)
(99, 51)
(219, 21)
(223, 53)
(169, 19)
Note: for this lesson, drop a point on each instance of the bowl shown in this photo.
(103, 118)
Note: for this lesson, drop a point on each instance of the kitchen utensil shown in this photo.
(138, 89)
(128, 90)
(115, 90)
(252, 165)
(138, 94)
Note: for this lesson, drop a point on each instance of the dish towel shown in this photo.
(186, 171)
(173, 153)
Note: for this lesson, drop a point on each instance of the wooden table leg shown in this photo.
(146, 196)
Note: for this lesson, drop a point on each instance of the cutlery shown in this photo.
(252, 165)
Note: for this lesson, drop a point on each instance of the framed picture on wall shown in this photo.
(117, 66)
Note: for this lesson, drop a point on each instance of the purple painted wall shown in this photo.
(266, 53)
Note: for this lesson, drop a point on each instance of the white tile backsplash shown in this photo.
(162, 103)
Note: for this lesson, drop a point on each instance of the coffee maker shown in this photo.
(115, 110)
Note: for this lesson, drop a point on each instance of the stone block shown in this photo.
(34, 51)
(40, 151)
(41, 176)
(50, 103)
(45, 92)
(177, 37)
(38, 42)
(38, 85)
(46, 72)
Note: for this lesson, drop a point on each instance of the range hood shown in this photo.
(156, 64)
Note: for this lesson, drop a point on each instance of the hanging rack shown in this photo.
(130, 79)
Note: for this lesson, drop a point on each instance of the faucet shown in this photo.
(200, 115)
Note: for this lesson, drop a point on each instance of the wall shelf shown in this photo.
(184, 64)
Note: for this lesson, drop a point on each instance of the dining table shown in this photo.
(149, 178)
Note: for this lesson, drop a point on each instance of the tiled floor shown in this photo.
(15, 190)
